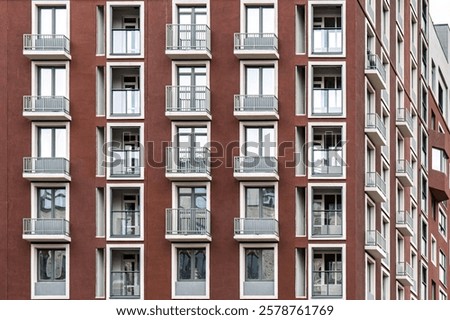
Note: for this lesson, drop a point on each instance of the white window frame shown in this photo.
(310, 137)
(121, 125)
(109, 7)
(109, 191)
(130, 246)
(343, 26)
(311, 66)
(34, 269)
(242, 248)
(257, 63)
(310, 201)
(34, 74)
(51, 3)
(262, 184)
(195, 184)
(331, 246)
(35, 135)
(109, 73)
(175, 247)
(255, 124)
(34, 196)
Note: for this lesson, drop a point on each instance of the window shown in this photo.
(370, 279)
(192, 23)
(260, 202)
(385, 286)
(51, 265)
(125, 273)
(443, 223)
(327, 32)
(52, 142)
(327, 151)
(424, 243)
(424, 285)
(385, 28)
(51, 81)
(125, 152)
(51, 203)
(442, 267)
(260, 19)
(260, 142)
(259, 81)
(327, 92)
(327, 273)
(327, 212)
(191, 90)
(191, 143)
(424, 192)
(433, 250)
(191, 264)
(125, 95)
(439, 160)
(125, 212)
(442, 295)
(52, 20)
(259, 271)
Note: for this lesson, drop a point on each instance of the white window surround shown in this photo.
(255, 124)
(311, 66)
(374, 280)
(121, 125)
(35, 135)
(331, 246)
(34, 196)
(343, 25)
(174, 262)
(109, 73)
(109, 6)
(262, 184)
(245, 3)
(196, 63)
(109, 188)
(45, 3)
(310, 193)
(257, 63)
(343, 126)
(109, 248)
(34, 74)
(34, 269)
(242, 248)
(176, 185)
(186, 3)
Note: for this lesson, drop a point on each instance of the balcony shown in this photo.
(327, 41)
(188, 225)
(125, 224)
(256, 229)
(375, 244)
(188, 163)
(375, 129)
(327, 284)
(46, 230)
(404, 173)
(327, 162)
(375, 71)
(256, 168)
(404, 122)
(327, 223)
(405, 274)
(125, 42)
(256, 46)
(327, 102)
(188, 103)
(125, 103)
(46, 47)
(405, 223)
(126, 163)
(52, 108)
(375, 187)
(188, 41)
(256, 107)
(125, 285)
(46, 169)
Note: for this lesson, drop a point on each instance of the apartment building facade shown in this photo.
(224, 149)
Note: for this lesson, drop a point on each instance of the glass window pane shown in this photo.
(184, 265)
(252, 81)
(253, 22)
(60, 21)
(45, 82)
(45, 142)
(268, 16)
(200, 265)
(45, 21)
(252, 264)
(60, 82)
(60, 143)
(268, 264)
(268, 81)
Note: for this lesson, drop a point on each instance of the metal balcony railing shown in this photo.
(255, 103)
(403, 217)
(255, 41)
(327, 283)
(403, 166)
(125, 223)
(126, 102)
(327, 40)
(373, 179)
(327, 223)
(255, 165)
(46, 104)
(125, 284)
(126, 41)
(187, 160)
(374, 63)
(126, 162)
(188, 99)
(46, 42)
(374, 238)
(403, 115)
(193, 221)
(404, 269)
(327, 162)
(46, 165)
(375, 121)
(327, 102)
(43, 227)
(255, 226)
(188, 37)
